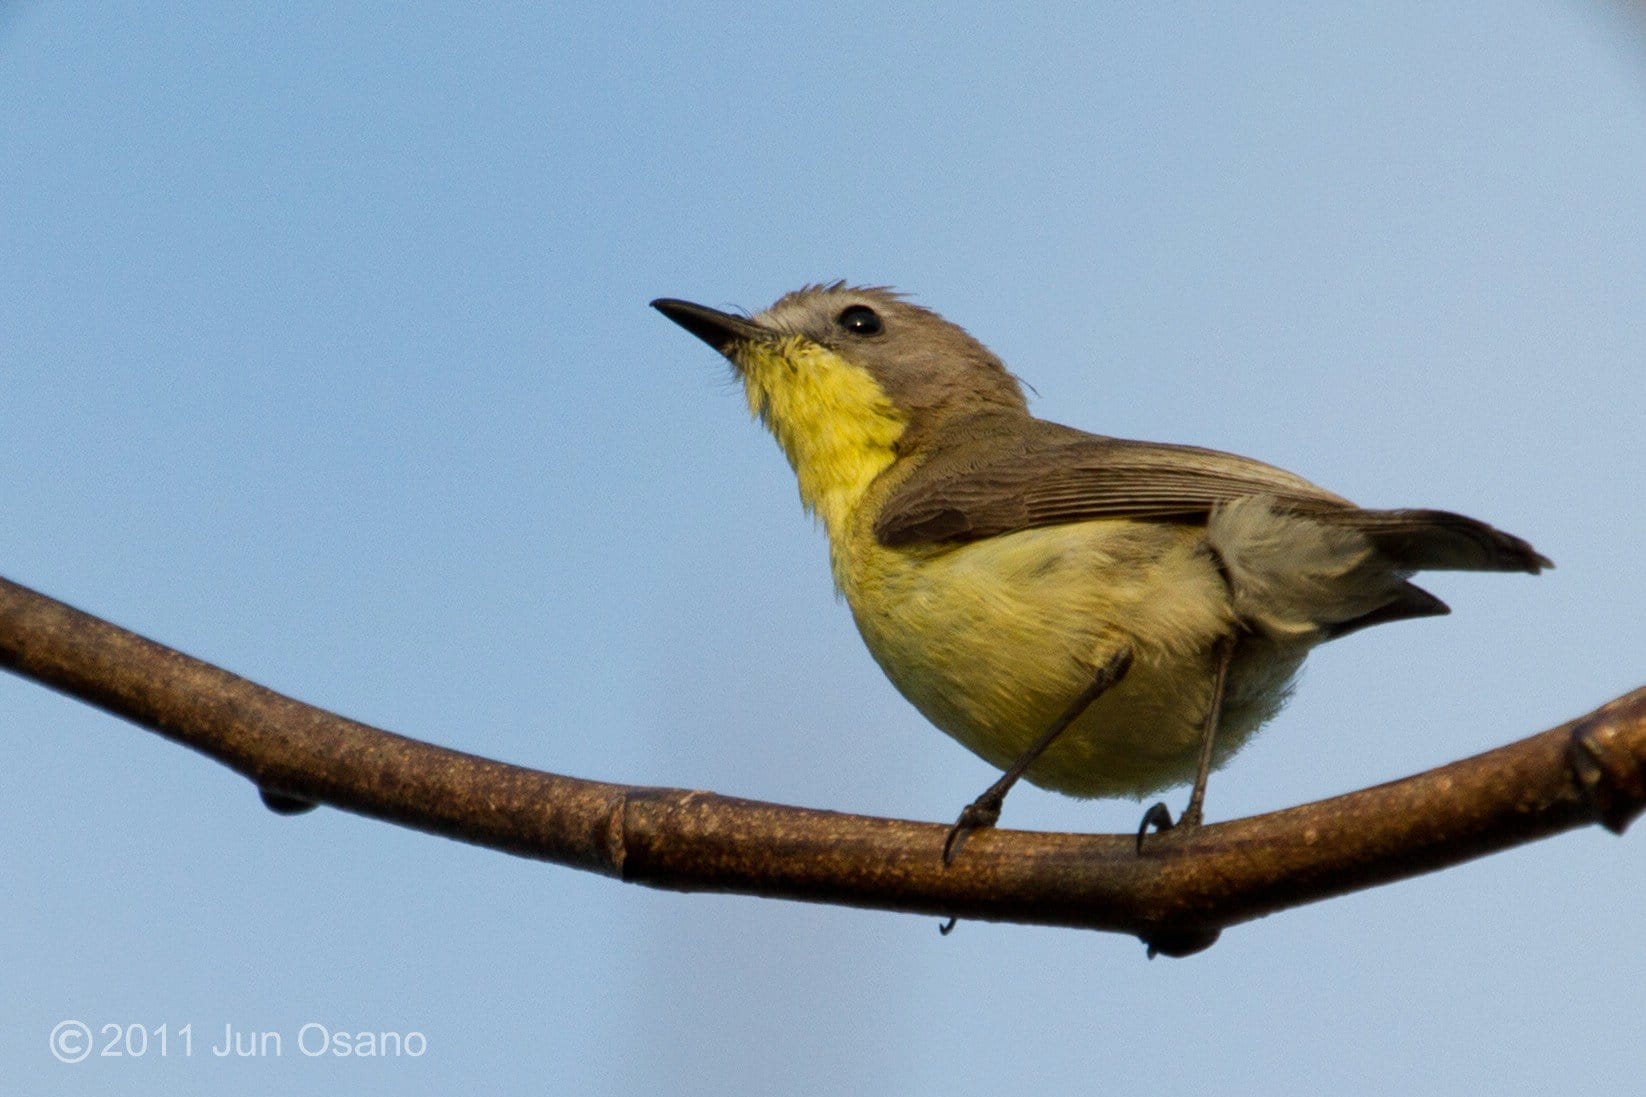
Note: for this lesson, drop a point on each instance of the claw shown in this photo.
(1159, 817)
(977, 815)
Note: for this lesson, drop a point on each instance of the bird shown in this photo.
(1100, 616)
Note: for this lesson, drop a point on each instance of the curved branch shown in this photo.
(1176, 895)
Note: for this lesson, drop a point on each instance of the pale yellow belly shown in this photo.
(993, 639)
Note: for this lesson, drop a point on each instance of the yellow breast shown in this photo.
(992, 640)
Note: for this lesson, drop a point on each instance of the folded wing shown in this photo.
(995, 475)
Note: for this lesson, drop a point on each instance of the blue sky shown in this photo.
(326, 358)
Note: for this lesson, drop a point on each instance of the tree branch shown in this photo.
(1176, 895)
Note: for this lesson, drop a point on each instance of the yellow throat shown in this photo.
(835, 423)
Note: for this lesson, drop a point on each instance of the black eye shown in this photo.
(860, 320)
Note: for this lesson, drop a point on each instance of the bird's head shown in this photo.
(839, 358)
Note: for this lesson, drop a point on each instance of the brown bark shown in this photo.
(1177, 894)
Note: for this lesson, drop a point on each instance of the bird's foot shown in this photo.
(980, 814)
(1159, 819)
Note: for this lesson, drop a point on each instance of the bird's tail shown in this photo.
(1437, 540)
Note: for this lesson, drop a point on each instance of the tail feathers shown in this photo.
(1410, 600)
(1437, 540)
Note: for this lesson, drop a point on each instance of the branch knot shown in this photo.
(1611, 777)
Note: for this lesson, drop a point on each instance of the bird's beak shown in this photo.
(718, 329)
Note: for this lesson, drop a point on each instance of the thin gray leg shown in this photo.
(1159, 816)
(985, 810)
(1208, 736)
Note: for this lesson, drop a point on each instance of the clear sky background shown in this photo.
(325, 356)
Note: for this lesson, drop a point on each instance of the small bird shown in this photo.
(1103, 617)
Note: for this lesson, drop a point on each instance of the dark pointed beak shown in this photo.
(718, 329)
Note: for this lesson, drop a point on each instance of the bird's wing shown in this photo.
(1002, 477)
(995, 475)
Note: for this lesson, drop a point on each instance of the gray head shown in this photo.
(929, 368)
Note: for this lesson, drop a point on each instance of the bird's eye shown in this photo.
(860, 320)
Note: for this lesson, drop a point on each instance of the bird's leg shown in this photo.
(1160, 817)
(1208, 735)
(985, 810)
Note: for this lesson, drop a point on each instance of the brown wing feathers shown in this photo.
(984, 485)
